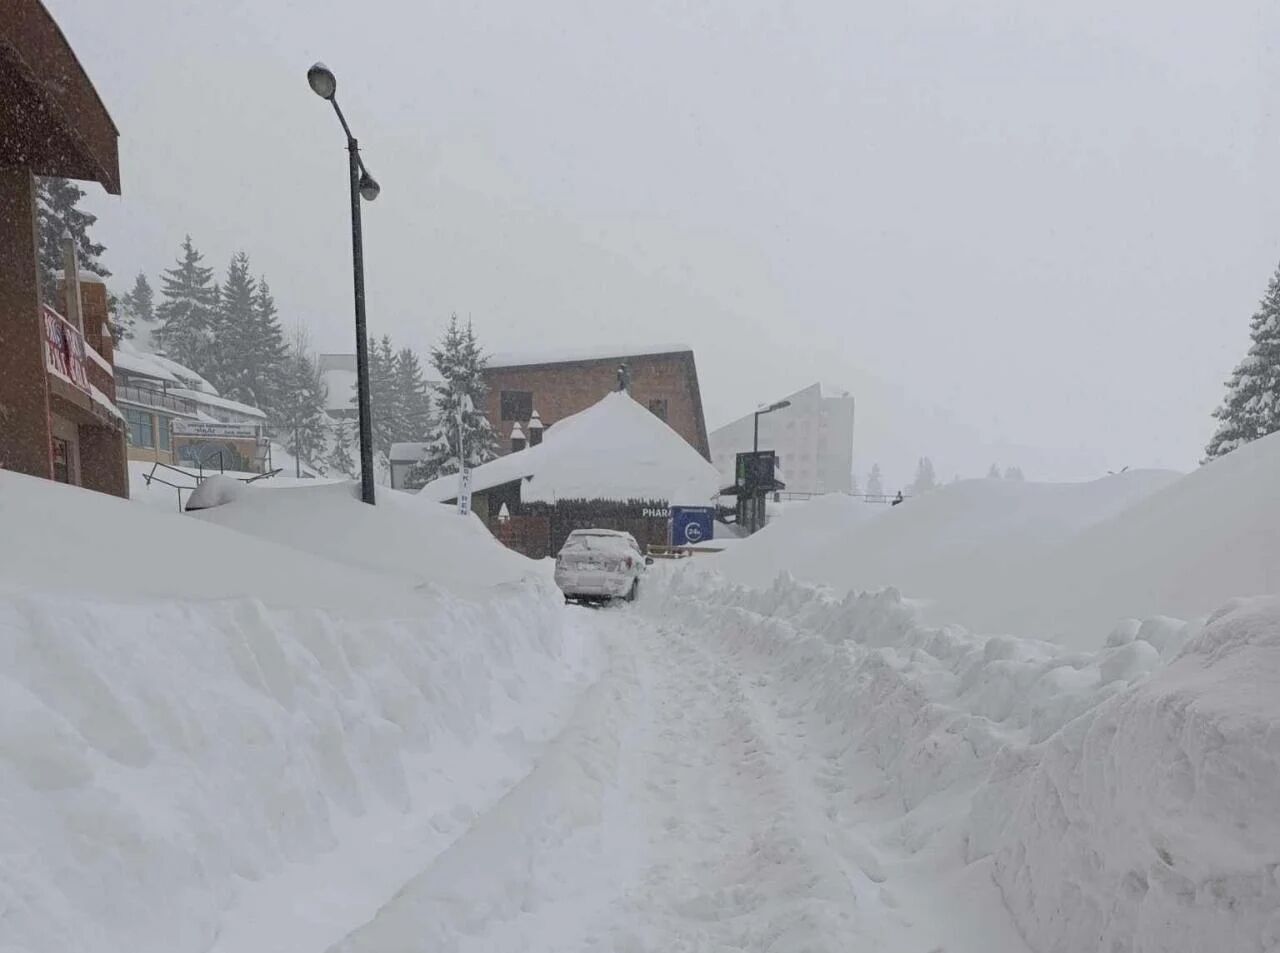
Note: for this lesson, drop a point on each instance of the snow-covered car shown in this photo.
(600, 564)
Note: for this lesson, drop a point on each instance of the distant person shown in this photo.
(896, 500)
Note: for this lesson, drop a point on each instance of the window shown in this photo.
(658, 407)
(61, 460)
(141, 429)
(517, 405)
(163, 426)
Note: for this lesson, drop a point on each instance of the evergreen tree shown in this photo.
(993, 473)
(875, 487)
(264, 378)
(56, 213)
(187, 312)
(300, 416)
(231, 333)
(136, 311)
(925, 479)
(340, 458)
(413, 403)
(384, 410)
(1013, 473)
(1251, 408)
(459, 361)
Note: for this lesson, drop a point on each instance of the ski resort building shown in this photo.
(813, 439)
(664, 380)
(58, 418)
(615, 465)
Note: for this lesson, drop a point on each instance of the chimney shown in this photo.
(517, 438)
(535, 430)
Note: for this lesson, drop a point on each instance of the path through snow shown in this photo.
(687, 806)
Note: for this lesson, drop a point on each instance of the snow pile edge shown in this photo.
(158, 761)
(1122, 797)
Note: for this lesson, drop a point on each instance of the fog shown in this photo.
(1024, 234)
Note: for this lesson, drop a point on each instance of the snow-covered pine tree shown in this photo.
(1013, 473)
(187, 311)
(993, 473)
(1251, 408)
(413, 403)
(341, 458)
(231, 333)
(925, 479)
(136, 312)
(299, 417)
(459, 361)
(57, 212)
(875, 486)
(266, 368)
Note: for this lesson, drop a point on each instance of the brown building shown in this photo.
(57, 386)
(665, 380)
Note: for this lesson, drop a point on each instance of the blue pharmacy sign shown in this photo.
(692, 524)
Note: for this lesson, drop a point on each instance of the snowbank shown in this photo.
(1107, 801)
(198, 726)
(217, 490)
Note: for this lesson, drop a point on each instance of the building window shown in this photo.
(61, 460)
(141, 428)
(517, 405)
(162, 424)
(658, 407)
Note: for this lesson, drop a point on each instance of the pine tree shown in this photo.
(300, 416)
(459, 361)
(1251, 408)
(266, 368)
(925, 479)
(993, 473)
(136, 311)
(56, 213)
(875, 487)
(1013, 473)
(413, 403)
(383, 406)
(187, 312)
(231, 332)
(339, 458)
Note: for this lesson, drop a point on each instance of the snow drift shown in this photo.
(1119, 802)
(171, 766)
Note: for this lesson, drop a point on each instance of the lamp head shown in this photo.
(369, 187)
(322, 81)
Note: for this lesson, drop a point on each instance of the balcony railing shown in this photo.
(153, 398)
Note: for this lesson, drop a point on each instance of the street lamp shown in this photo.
(755, 450)
(325, 85)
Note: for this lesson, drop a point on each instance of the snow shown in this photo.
(568, 355)
(408, 452)
(210, 741)
(98, 359)
(1121, 799)
(144, 365)
(954, 548)
(216, 490)
(614, 450)
(105, 402)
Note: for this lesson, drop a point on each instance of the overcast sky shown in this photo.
(1019, 229)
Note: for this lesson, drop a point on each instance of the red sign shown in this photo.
(64, 349)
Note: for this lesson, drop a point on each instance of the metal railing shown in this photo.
(154, 399)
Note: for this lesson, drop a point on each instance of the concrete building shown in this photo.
(58, 418)
(662, 379)
(813, 439)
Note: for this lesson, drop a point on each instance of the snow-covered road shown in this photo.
(687, 805)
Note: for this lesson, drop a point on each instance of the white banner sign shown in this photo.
(464, 492)
(197, 428)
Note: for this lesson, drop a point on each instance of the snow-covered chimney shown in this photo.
(535, 430)
(517, 438)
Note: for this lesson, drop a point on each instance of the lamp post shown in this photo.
(755, 450)
(325, 85)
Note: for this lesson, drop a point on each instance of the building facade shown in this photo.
(663, 380)
(58, 418)
(813, 439)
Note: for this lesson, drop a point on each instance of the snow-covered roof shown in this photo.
(143, 365)
(213, 400)
(105, 402)
(614, 450)
(407, 452)
(567, 355)
(338, 371)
